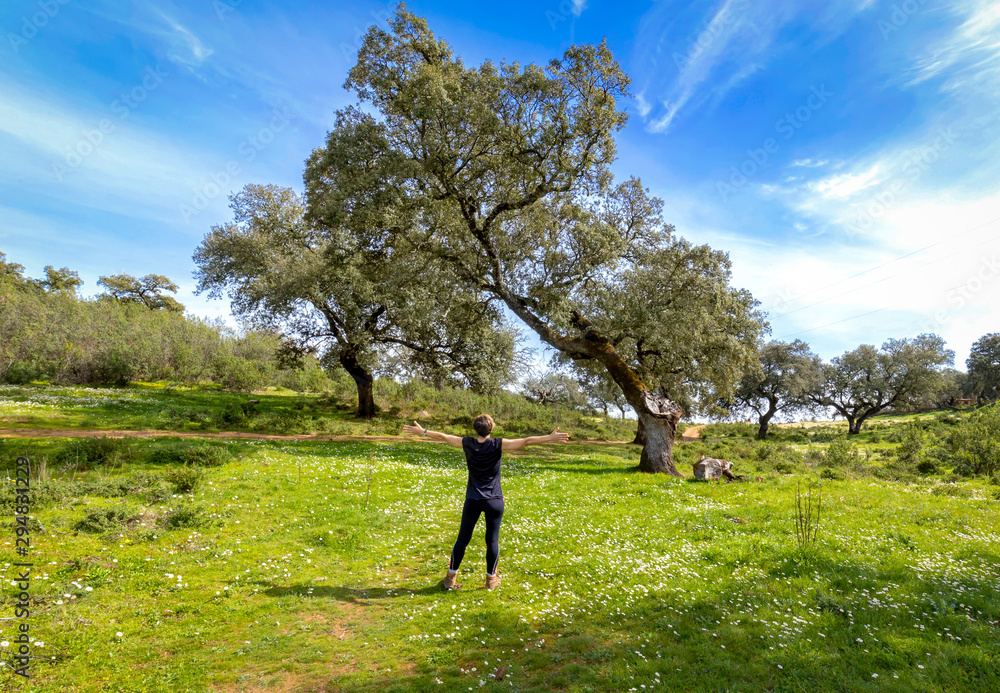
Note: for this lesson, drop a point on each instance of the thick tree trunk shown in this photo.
(364, 381)
(853, 426)
(659, 417)
(640, 434)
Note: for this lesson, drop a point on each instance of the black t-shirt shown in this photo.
(483, 461)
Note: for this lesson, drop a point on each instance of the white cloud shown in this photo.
(126, 170)
(809, 163)
(184, 47)
(848, 184)
(735, 41)
(578, 7)
(968, 58)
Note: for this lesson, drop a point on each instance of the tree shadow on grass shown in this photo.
(362, 596)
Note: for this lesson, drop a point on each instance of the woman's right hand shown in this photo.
(416, 429)
(558, 437)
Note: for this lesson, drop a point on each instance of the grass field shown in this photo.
(316, 566)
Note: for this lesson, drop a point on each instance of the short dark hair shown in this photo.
(483, 424)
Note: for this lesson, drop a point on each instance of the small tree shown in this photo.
(789, 373)
(148, 291)
(977, 442)
(866, 381)
(984, 366)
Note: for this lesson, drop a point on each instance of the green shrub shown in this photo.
(841, 453)
(207, 455)
(976, 443)
(185, 516)
(951, 490)
(186, 478)
(830, 473)
(927, 465)
(106, 519)
(88, 453)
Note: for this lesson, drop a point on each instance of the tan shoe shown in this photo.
(492, 581)
(449, 582)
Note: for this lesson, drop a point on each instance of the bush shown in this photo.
(186, 478)
(951, 490)
(106, 519)
(237, 374)
(185, 516)
(207, 455)
(841, 453)
(93, 452)
(976, 443)
(927, 465)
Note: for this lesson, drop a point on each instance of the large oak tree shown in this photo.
(863, 382)
(502, 172)
(790, 372)
(342, 289)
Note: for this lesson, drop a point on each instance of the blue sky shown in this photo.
(846, 154)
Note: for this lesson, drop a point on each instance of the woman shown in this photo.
(483, 493)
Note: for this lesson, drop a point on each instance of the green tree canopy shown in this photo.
(790, 372)
(984, 366)
(346, 290)
(501, 173)
(866, 381)
(147, 291)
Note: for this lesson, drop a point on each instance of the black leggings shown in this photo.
(493, 507)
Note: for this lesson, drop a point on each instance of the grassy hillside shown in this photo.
(208, 409)
(170, 565)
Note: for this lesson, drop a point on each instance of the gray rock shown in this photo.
(712, 469)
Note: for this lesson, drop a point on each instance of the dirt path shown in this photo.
(225, 435)
(690, 434)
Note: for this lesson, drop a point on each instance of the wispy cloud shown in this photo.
(682, 65)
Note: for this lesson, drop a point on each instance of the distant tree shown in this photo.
(553, 387)
(955, 385)
(63, 281)
(346, 290)
(789, 373)
(502, 173)
(984, 366)
(600, 389)
(866, 381)
(11, 273)
(147, 291)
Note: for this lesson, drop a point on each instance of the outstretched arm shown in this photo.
(518, 443)
(418, 430)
